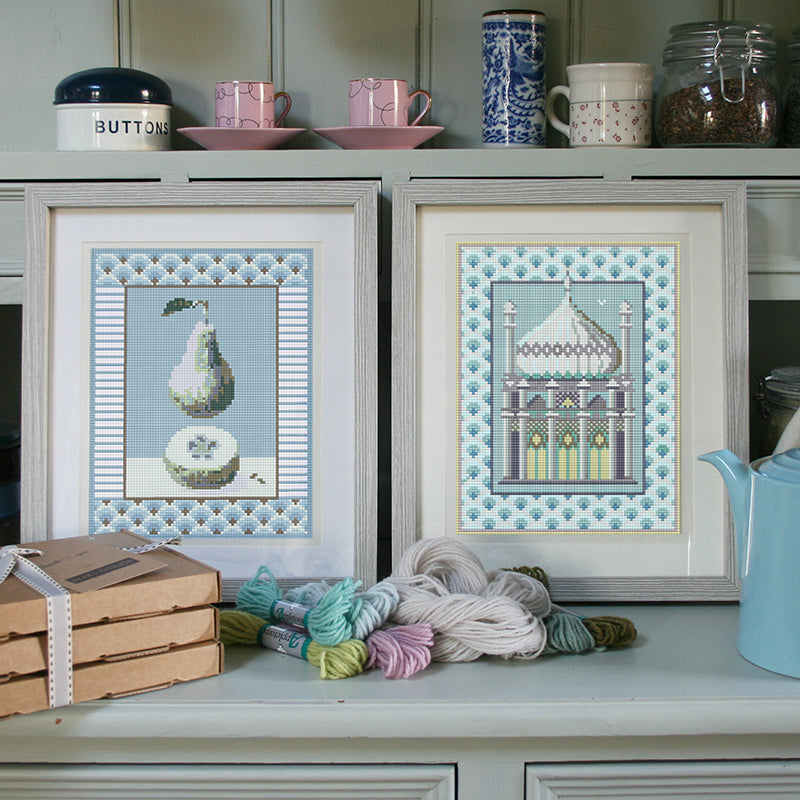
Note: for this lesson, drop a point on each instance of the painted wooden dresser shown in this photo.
(679, 714)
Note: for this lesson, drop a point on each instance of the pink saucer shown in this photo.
(240, 138)
(379, 137)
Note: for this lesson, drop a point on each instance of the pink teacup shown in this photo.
(249, 104)
(383, 101)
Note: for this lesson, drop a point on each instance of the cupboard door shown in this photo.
(704, 780)
(226, 782)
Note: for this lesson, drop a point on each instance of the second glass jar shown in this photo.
(719, 86)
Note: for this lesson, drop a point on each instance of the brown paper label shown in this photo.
(82, 565)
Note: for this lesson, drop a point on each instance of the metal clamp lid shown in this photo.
(741, 43)
(730, 52)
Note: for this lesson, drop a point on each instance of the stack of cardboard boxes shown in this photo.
(140, 621)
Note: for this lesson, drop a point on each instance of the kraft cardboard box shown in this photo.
(108, 679)
(113, 640)
(128, 585)
(140, 621)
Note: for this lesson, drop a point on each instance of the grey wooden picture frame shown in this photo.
(356, 199)
(417, 209)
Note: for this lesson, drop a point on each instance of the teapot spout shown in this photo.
(736, 475)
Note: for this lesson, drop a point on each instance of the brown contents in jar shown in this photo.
(699, 114)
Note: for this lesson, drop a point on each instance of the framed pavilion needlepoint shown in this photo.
(563, 352)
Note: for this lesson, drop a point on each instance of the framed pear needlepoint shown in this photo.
(178, 342)
(562, 353)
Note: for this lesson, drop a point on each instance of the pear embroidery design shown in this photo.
(202, 386)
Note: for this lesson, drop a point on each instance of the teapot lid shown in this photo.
(783, 466)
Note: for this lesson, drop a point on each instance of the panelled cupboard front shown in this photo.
(680, 714)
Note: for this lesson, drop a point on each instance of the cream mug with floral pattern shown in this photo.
(609, 104)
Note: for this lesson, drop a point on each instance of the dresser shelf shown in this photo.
(612, 164)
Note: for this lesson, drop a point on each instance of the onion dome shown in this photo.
(567, 344)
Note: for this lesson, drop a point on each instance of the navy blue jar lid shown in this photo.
(113, 85)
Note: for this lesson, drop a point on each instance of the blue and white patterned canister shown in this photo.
(513, 79)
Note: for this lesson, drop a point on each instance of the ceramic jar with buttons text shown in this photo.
(113, 108)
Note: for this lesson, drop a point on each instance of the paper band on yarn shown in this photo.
(290, 613)
(59, 619)
(284, 640)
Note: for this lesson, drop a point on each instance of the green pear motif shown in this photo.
(201, 385)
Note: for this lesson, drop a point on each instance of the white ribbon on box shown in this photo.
(59, 619)
(154, 545)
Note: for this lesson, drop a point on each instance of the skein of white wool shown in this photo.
(446, 560)
(525, 590)
(442, 582)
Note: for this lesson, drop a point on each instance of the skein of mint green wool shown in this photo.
(376, 605)
(328, 621)
(343, 660)
(370, 610)
(569, 633)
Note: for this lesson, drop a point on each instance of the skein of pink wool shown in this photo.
(400, 651)
(443, 583)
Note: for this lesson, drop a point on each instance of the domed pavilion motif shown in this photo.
(568, 387)
(567, 401)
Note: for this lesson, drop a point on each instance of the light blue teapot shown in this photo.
(765, 501)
